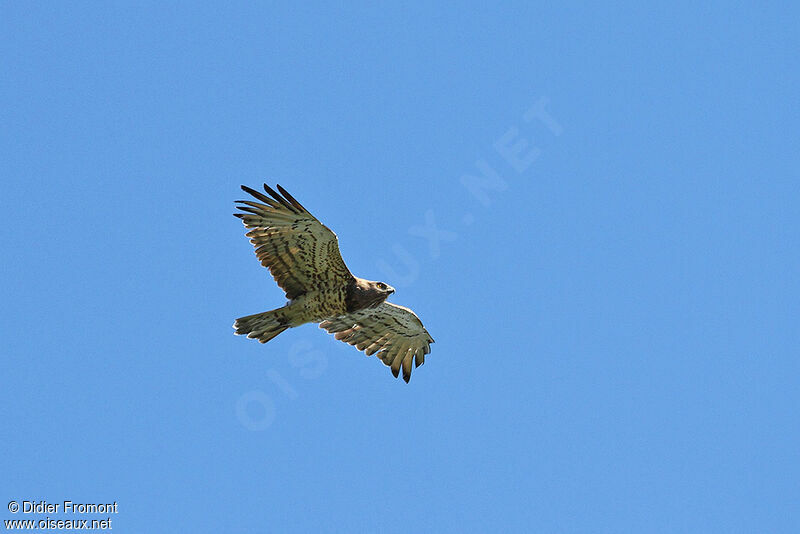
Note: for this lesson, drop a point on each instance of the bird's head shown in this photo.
(377, 292)
(383, 289)
(368, 294)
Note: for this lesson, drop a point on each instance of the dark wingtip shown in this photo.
(260, 196)
(395, 372)
(407, 377)
(285, 203)
(290, 198)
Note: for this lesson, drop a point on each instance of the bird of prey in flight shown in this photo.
(302, 254)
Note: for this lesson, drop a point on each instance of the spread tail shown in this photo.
(262, 326)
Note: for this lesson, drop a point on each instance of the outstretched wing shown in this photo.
(299, 251)
(393, 330)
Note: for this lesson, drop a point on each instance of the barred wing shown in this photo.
(299, 251)
(393, 330)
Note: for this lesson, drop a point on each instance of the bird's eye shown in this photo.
(382, 285)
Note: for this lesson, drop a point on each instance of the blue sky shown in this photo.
(615, 313)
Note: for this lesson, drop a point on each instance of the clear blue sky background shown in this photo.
(616, 322)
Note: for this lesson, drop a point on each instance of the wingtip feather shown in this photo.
(290, 198)
(285, 203)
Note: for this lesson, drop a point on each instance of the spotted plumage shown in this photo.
(302, 254)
